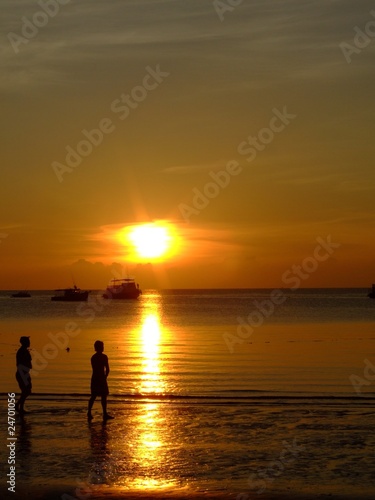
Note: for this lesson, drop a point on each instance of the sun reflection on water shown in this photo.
(150, 437)
(151, 333)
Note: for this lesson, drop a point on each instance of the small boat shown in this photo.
(71, 295)
(122, 289)
(21, 295)
(372, 293)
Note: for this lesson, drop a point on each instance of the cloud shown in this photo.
(262, 41)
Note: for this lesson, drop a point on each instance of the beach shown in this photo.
(278, 448)
(280, 417)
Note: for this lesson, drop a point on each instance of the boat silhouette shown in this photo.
(122, 289)
(22, 294)
(74, 294)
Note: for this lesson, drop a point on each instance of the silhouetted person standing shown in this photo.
(99, 386)
(23, 361)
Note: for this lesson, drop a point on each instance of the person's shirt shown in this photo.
(100, 367)
(23, 359)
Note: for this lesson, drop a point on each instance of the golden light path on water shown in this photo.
(151, 332)
(151, 439)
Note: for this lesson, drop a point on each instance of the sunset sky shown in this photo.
(179, 89)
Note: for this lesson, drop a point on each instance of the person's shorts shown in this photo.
(99, 388)
(24, 382)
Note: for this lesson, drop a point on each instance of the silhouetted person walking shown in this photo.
(23, 361)
(99, 386)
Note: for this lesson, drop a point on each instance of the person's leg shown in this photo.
(21, 402)
(91, 403)
(104, 405)
(25, 387)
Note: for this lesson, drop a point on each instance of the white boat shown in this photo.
(122, 289)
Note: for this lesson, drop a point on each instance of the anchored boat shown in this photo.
(21, 295)
(70, 295)
(125, 288)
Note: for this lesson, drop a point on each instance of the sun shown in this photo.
(154, 241)
(150, 241)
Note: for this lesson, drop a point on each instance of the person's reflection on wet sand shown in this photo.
(101, 468)
(24, 447)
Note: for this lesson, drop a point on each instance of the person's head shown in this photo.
(99, 346)
(25, 341)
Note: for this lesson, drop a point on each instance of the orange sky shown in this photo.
(250, 131)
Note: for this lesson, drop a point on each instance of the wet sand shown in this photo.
(265, 450)
(66, 493)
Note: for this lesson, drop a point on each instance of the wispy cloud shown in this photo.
(263, 41)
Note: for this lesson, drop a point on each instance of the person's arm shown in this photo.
(30, 364)
(106, 367)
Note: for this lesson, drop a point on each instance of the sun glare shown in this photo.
(150, 241)
(155, 241)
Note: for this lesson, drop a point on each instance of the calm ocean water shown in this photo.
(195, 342)
(209, 388)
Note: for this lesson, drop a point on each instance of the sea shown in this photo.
(239, 392)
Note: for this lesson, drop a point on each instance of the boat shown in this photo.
(372, 293)
(125, 288)
(74, 294)
(21, 295)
